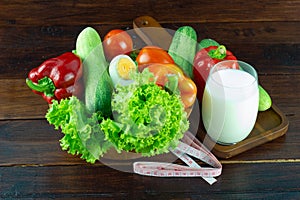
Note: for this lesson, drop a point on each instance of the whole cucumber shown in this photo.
(183, 48)
(98, 84)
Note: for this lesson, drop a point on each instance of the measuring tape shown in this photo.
(188, 146)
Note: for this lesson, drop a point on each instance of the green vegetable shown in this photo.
(265, 101)
(82, 133)
(207, 43)
(98, 84)
(183, 48)
(87, 40)
(147, 119)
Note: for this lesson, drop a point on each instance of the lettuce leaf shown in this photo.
(147, 119)
(82, 133)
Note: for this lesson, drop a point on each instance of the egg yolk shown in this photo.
(124, 67)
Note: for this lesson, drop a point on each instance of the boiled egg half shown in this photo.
(120, 68)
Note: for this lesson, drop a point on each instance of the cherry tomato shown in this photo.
(117, 42)
(151, 55)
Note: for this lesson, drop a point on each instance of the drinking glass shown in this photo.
(230, 101)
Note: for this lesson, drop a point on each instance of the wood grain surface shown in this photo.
(32, 164)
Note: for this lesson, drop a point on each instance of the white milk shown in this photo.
(230, 105)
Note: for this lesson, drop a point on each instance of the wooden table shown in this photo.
(32, 165)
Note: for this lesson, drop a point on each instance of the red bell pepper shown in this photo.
(204, 60)
(55, 78)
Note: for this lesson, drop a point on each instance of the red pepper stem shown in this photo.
(219, 53)
(44, 85)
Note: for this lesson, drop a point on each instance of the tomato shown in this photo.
(186, 86)
(151, 55)
(117, 42)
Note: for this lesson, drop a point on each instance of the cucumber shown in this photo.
(265, 101)
(207, 43)
(183, 48)
(98, 84)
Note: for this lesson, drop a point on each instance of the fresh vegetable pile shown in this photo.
(106, 94)
(110, 100)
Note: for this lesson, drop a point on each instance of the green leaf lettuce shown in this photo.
(147, 118)
(82, 133)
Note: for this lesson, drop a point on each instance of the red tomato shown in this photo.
(117, 42)
(153, 55)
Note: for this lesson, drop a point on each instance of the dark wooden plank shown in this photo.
(238, 181)
(115, 12)
(18, 101)
(31, 142)
(276, 49)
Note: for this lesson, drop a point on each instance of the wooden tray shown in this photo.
(269, 125)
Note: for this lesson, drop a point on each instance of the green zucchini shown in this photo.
(183, 48)
(98, 84)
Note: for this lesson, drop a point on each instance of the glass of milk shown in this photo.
(230, 102)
